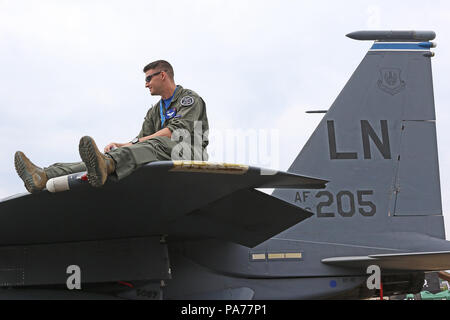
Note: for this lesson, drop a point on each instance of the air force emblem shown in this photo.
(187, 101)
(170, 113)
(391, 81)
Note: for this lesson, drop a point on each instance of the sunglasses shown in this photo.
(149, 78)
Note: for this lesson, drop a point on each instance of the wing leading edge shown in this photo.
(416, 261)
(161, 198)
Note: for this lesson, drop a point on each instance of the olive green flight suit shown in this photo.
(186, 119)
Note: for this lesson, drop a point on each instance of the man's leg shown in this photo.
(98, 165)
(63, 169)
(129, 159)
(35, 178)
(122, 161)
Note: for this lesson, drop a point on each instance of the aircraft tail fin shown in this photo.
(377, 143)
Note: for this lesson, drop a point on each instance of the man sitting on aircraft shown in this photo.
(181, 113)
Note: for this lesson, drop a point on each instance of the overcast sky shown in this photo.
(74, 68)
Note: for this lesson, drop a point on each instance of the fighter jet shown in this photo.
(362, 195)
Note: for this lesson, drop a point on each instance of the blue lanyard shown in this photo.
(167, 103)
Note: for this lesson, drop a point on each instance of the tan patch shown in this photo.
(210, 167)
(259, 256)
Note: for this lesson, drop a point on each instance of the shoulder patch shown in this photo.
(187, 101)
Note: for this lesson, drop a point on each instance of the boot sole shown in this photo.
(23, 173)
(90, 158)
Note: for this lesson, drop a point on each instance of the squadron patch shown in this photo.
(187, 101)
(170, 113)
(390, 81)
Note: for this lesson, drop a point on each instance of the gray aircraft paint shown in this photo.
(380, 144)
(377, 148)
(393, 35)
(382, 127)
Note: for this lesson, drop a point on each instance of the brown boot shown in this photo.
(98, 165)
(34, 177)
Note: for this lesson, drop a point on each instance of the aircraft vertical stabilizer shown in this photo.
(377, 143)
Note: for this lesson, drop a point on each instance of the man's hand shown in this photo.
(113, 145)
(161, 133)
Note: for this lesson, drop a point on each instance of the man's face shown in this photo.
(156, 82)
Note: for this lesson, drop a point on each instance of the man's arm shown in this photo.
(161, 133)
(188, 115)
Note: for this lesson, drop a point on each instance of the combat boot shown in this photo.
(33, 176)
(98, 165)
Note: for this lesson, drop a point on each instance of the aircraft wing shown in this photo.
(416, 261)
(179, 199)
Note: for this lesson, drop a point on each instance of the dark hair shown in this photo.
(160, 65)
